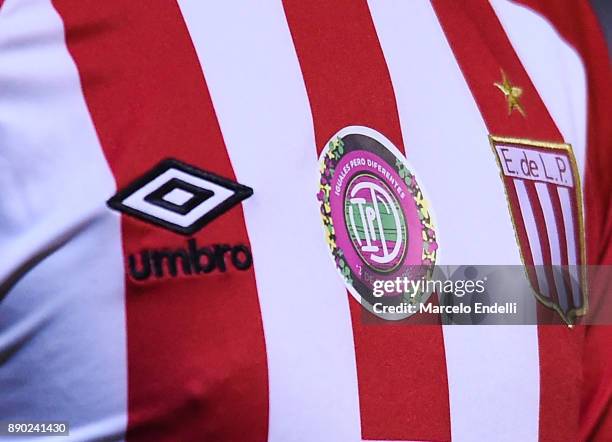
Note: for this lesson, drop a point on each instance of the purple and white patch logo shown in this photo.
(375, 217)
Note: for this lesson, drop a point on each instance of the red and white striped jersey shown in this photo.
(164, 271)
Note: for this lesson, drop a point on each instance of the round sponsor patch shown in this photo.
(376, 220)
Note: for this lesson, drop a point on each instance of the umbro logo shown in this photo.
(179, 197)
(189, 260)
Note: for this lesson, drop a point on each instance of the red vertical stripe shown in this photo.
(579, 257)
(348, 84)
(577, 23)
(482, 49)
(196, 356)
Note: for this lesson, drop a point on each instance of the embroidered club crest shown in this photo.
(543, 189)
(376, 220)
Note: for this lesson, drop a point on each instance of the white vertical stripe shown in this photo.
(565, 95)
(254, 78)
(62, 324)
(493, 372)
(533, 235)
(553, 242)
(553, 66)
(570, 239)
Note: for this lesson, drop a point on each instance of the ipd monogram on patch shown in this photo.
(542, 184)
(376, 220)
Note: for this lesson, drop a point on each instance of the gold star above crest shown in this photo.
(512, 94)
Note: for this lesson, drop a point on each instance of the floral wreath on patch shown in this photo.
(430, 246)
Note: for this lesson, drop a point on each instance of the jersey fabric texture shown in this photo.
(113, 323)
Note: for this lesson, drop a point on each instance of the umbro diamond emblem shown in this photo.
(179, 197)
